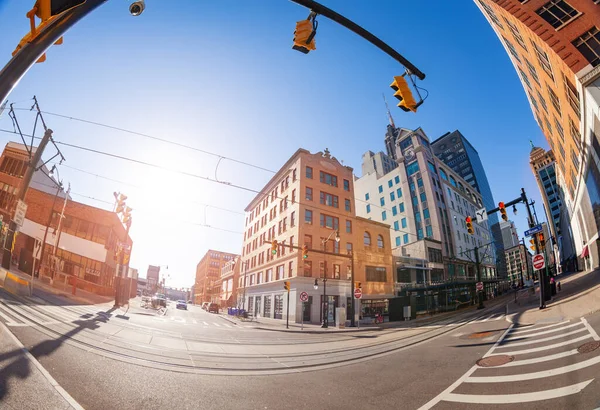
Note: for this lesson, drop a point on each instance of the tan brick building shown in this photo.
(310, 199)
(208, 272)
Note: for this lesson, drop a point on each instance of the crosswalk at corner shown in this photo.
(490, 317)
(527, 360)
(191, 322)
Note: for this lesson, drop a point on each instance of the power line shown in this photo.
(141, 134)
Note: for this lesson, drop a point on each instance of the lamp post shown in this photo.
(325, 304)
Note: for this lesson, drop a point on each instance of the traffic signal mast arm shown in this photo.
(350, 25)
(317, 251)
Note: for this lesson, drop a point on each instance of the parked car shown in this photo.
(181, 304)
(205, 305)
(159, 300)
(213, 308)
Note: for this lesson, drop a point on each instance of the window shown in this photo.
(390, 183)
(515, 32)
(401, 207)
(559, 130)
(533, 72)
(294, 176)
(452, 181)
(572, 94)
(348, 226)
(575, 159)
(367, 239)
(309, 172)
(308, 216)
(367, 196)
(396, 226)
(308, 241)
(443, 174)
(405, 238)
(336, 271)
(375, 274)
(346, 185)
(542, 101)
(554, 99)
(336, 247)
(575, 135)
(588, 44)
(382, 201)
(512, 49)
(557, 13)
(525, 79)
(423, 197)
(290, 269)
(428, 231)
(426, 213)
(548, 126)
(394, 210)
(397, 179)
(392, 196)
(543, 59)
(368, 208)
(403, 222)
(380, 188)
(309, 194)
(431, 167)
(348, 248)
(490, 12)
(380, 241)
(328, 179)
(347, 205)
(279, 272)
(328, 221)
(399, 193)
(420, 182)
(412, 168)
(293, 219)
(329, 199)
(562, 152)
(383, 215)
(397, 241)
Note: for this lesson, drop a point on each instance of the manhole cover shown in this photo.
(479, 335)
(493, 361)
(588, 347)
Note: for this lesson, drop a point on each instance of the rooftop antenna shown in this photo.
(389, 114)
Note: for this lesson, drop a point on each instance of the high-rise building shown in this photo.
(456, 151)
(311, 201)
(426, 205)
(208, 273)
(509, 234)
(377, 163)
(153, 277)
(554, 46)
(518, 263)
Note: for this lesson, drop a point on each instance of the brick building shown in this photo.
(308, 201)
(228, 281)
(208, 272)
(554, 46)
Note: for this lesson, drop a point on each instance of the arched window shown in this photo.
(367, 239)
(379, 241)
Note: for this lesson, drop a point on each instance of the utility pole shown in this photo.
(478, 269)
(58, 231)
(23, 187)
(526, 262)
(59, 188)
(537, 245)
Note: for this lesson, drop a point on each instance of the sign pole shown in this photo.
(303, 307)
(287, 318)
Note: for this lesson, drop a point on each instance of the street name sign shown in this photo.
(534, 230)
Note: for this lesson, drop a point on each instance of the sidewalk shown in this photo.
(24, 383)
(579, 296)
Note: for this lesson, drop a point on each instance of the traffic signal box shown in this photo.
(304, 37)
(404, 94)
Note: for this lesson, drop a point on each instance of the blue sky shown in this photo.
(222, 77)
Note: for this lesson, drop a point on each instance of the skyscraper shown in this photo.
(554, 46)
(509, 234)
(458, 153)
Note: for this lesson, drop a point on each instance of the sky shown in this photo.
(221, 77)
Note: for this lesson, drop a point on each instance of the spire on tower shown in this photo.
(389, 114)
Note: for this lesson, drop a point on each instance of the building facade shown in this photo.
(518, 263)
(153, 278)
(510, 238)
(554, 46)
(423, 199)
(454, 150)
(310, 201)
(230, 274)
(208, 272)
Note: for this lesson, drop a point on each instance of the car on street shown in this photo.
(159, 300)
(181, 304)
(213, 308)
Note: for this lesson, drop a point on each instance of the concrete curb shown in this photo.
(227, 319)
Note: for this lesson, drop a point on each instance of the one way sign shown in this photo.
(481, 215)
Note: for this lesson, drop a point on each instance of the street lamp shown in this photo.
(514, 209)
(325, 304)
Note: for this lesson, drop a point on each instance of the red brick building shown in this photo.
(208, 272)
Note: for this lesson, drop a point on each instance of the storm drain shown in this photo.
(493, 361)
(588, 347)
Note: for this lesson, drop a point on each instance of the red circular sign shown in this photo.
(479, 286)
(538, 261)
(357, 293)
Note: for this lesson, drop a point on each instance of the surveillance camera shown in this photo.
(137, 7)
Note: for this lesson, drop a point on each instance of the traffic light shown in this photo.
(127, 215)
(304, 36)
(44, 9)
(357, 285)
(286, 285)
(304, 252)
(502, 209)
(120, 203)
(542, 240)
(532, 247)
(404, 94)
(274, 247)
(469, 221)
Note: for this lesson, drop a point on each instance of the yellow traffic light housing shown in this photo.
(304, 252)
(304, 36)
(532, 247)
(274, 246)
(502, 209)
(469, 222)
(357, 285)
(542, 240)
(286, 285)
(404, 94)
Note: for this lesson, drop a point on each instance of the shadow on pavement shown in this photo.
(21, 367)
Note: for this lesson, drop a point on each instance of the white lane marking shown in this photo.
(226, 325)
(531, 329)
(542, 348)
(10, 321)
(205, 324)
(194, 321)
(519, 397)
(487, 318)
(535, 375)
(543, 332)
(216, 324)
(447, 392)
(544, 339)
(495, 346)
(43, 371)
(539, 359)
(60, 313)
(16, 315)
(590, 329)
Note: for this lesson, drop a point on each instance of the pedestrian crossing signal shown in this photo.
(286, 285)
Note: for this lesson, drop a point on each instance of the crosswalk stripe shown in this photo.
(216, 324)
(226, 325)
(205, 324)
(543, 332)
(530, 328)
(16, 315)
(194, 321)
(542, 348)
(544, 339)
(540, 359)
(590, 329)
(9, 320)
(518, 397)
(61, 313)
